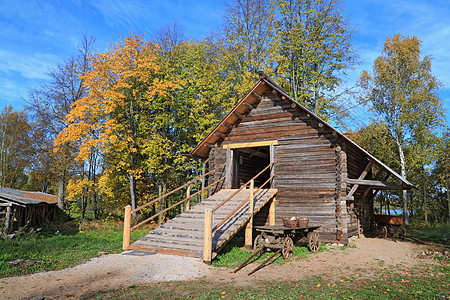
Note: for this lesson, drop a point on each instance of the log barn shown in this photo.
(319, 173)
(270, 158)
(25, 208)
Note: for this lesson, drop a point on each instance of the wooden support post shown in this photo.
(8, 220)
(228, 171)
(188, 195)
(249, 228)
(272, 159)
(361, 177)
(127, 228)
(207, 237)
(203, 180)
(272, 212)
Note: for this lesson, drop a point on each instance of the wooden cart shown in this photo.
(390, 225)
(284, 238)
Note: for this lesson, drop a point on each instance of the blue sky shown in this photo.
(36, 35)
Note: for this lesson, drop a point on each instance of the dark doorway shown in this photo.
(248, 162)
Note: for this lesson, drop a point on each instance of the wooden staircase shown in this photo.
(183, 235)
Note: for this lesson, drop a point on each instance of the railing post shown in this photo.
(249, 228)
(272, 212)
(188, 195)
(127, 228)
(207, 237)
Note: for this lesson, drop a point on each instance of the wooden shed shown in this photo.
(299, 165)
(25, 208)
(319, 173)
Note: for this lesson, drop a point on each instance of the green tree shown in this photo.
(404, 93)
(16, 150)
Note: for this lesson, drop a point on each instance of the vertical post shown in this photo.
(272, 159)
(127, 228)
(8, 220)
(159, 205)
(229, 168)
(203, 180)
(207, 237)
(188, 195)
(272, 212)
(249, 228)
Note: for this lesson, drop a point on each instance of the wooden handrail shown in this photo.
(175, 190)
(241, 188)
(176, 204)
(240, 205)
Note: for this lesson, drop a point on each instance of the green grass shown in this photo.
(425, 285)
(61, 246)
(439, 233)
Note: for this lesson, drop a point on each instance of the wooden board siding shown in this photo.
(305, 161)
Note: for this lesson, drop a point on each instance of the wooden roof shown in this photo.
(250, 100)
(26, 197)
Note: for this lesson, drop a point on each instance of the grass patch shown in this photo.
(431, 283)
(439, 233)
(62, 245)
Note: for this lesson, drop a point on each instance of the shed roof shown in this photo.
(26, 197)
(263, 84)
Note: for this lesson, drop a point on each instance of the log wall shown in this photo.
(305, 161)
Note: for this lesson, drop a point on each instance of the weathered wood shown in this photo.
(227, 125)
(256, 96)
(238, 115)
(248, 105)
(126, 228)
(249, 227)
(229, 168)
(362, 176)
(250, 144)
(219, 134)
(272, 212)
(385, 185)
(207, 239)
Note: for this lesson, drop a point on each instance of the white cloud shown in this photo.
(33, 66)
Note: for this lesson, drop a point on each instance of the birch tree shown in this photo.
(404, 93)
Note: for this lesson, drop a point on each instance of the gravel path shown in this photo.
(103, 273)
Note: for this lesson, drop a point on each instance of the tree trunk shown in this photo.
(405, 193)
(425, 208)
(61, 191)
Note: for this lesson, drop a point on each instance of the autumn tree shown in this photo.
(122, 86)
(48, 106)
(404, 93)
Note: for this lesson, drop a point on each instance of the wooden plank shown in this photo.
(207, 240)
(384, 185)
(362, 176)
(250, 144)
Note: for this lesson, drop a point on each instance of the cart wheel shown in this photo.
(384, 232)
(259, 243)
(313, 241)
(402, 233)
(288, 248)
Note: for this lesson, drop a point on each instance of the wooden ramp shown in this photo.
(183, 235)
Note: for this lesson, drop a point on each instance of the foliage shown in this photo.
(314, 51)
(62, 245)
(16, 149)
(404, 93)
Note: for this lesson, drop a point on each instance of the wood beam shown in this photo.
(251, 144)
(248, 105)
(362, 176)
(254, 152)
(257, 96)
(238, 115)
(285, 99)
(383, 185)
(227, 125)
(219, 134)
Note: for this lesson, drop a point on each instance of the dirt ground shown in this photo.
(366, 257)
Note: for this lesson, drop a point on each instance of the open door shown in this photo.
(244, 162)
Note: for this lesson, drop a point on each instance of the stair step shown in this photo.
(183, 235)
